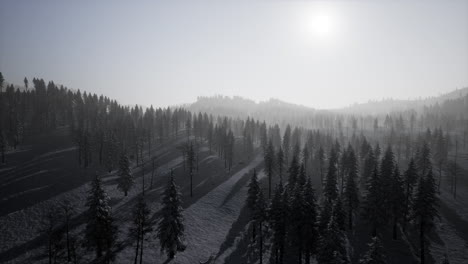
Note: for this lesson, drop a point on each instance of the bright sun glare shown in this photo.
(322, 24)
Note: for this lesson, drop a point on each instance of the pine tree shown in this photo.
(396, 200)
(423, 159)
(269, 158)
(170, 230)
(278, 215)
(191, 165)
(424, 209)
(387, 169)
(280, 162)
(333, 245)
(324, 216)
(369, 166)
(410, 179)
(101, 232)
(141, 226)
(259, 218)
(310, 226)
(293, 173)
(331, 189)
(252, 195)
(375, 254)
(125, 181)
(372, 207)
(296, 222)
(339, 213)
(351, 192)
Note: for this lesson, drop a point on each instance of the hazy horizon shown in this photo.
(318, 54)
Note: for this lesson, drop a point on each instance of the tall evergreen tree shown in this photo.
(351, 192)
(259, 219)
(293, 173)
(424, 209)
(252, 194)
(375, 254)
(277, 217)
(331, 189)
(333, 245)
(280, 163)
(141, 226)
(372, 207)
(191, 166)
(125, 180)
(310, 227)
(101, 232)
(396, 200)
(170, 230)
(269, 158)
(409, 181)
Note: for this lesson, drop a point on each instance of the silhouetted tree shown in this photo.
(125, 180)
(170, 231)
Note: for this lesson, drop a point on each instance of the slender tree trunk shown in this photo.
(68, 239)
(141, 248)
(421, 240)
(261, 244)
(350, 219)
(137, 248)
(191, 183)
(395, 232)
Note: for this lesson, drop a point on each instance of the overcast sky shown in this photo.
(319, 54)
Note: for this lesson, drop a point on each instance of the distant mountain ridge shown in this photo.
(238, 106)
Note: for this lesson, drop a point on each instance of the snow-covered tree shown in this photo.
(333, 245)
(101, 232)
(170, 230)
(125, 180)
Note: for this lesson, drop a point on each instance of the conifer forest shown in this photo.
(209, 174)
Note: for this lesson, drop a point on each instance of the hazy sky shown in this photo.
(320, 54)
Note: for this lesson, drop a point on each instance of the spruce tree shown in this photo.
(424, 209)
(369, 165)
(280, 162)
(409, 181)
(101, 231)
(293, 173)
(125, 180)
(259, 218)
(269, 158)
(324, 216)
(141, 226)
(339, 213)
(375, 254)
(296, 222)
(351, 192)
(396, 200)
(170, 230)
(252, 194)
(331, 189)
(310, 226)
(277, 218)
(333, 245)
(191, 165)
(372, 205)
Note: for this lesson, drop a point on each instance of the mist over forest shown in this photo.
(234, 132)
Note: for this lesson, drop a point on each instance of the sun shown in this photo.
(322, 24)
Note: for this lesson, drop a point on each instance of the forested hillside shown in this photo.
(84, 179)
